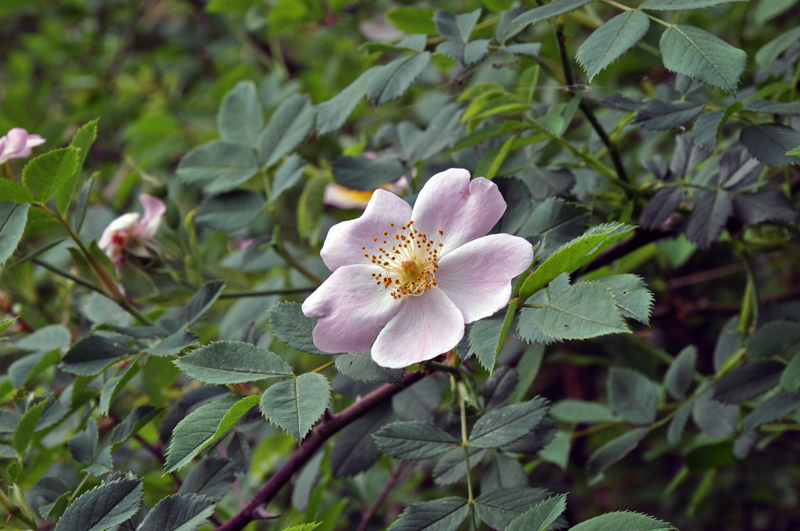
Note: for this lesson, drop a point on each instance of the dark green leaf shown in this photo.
(287, 176)
(104, 506)
(418, 402)
(790, 378)
(710, 457)
(414, 441)
(179, 512)
(92, 354)
(773, 338)
(213, 477)
(661, 206)
(704, 132)
(241, 117)
(393, 79)
(499, 386)
(613, 39)
(630, 292)
(623, 521)
(633, 396)
(499, 508)
(773, 107)
(697, 54)
(678, 423)
(296, 405)
(47, 174)
(541, 516)
(230, 211)
(769, 205)
(715, 418)
(487, 336)
(83, 445)
(577, 411)
(452, 466)
(728, 342)
(332, 114)
(612, 452)
(581, 311)
(680, 5)
(770, 142)
(553, 9)
(287, 128)
(444, 514)
(503, 31)
(135, 421)
(680, 373)
(503, 472)
(709, 215)
(196, 431)
(456, 27)
(554, 222)
(23, 434)
(26, 369)
(767, 54)
(508, 424)
(748, 381)
(290, 326)
(658, 115)
(355, 450)
(12, 224)
(361, 368)
(230, 362)
(772, 409)
(218, 166)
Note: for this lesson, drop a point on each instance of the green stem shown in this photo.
(462, 405)
(292, 261)
(16, 512)
(263, 293)
(323, 367)
(78, 488)
(76, 279)
(618, 5)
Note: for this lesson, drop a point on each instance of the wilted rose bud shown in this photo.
(131, 230)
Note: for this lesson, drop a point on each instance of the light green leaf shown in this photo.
(393, 79)
(290, 326)
(697, 54)
(413, 441)
(361, 368)
(332, 114)
(232, 362)
(241, 117)
(296, 405)
(633, 396)
(581, 311)
(114, 386)
(23, 434)
(47, 173)
(767, 54)
(503, 426)
(790, 379)
(630, 292)
(553, 9)
(287, 128)
(12, 224)
(287, 176)
(230, 211)
(486, 337)
(14, 192)
(612, 40)
(104, 506)
(444, 514)
(82, 141)
(179, 512)
(623, 521)
(680, 5)
(581, 411)
(499, 508)
(412, 19)
(218, 166)
(541, 516)
(361, 173)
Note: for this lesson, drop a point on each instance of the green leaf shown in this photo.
(530, 49)
(554, 222)
(29, 367)
(499, 508)
(290, 326)
(311, 206)
(133, 423)
(332, 114)
(213, 477)
(772, 409)
(114, 386)
(14, 192)
(748, 381)
(47, 173)
(612, 452)
(769, 143)
(679, 5)
(12, 224)
(768, 205)
(354, 450)
(657, 115)
(581, 411)
(287, 176)
(790, 379)
(553, 9)
(633, 396)
(630, 292)
(442, 131)
(232, 362)
(201, 301)
(487, 336)
(573, 255)
(773, 107)
(767, 54)
(361, 368)
(710, 457)
(23, 434)
(541, 516)
(711, 211)
(661, 206)
(82, 142)
(728, 342)
(104, 506)
(202, 426)
(773, 338)
(291, 122)
(452, 466)
(581, 311)
(503, 472)
(680, 373)
(218, 166)
(179, 512)
(393, 79)
(456, 27)
(413, 441)
(713, 417)
(361, 173)
(623, 521)
(241, 117)
(412, 19)
(678, 423)
(508, 424)
(296, 405)
(444, 514)
(92, 354)
(230, 211)
(613, 39)
(697, 54)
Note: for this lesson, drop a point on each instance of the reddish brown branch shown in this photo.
(367, 516)
(324, 431)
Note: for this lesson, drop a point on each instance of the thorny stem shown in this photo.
(318, 436)
(16, 512)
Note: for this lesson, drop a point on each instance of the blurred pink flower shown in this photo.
(17, 144)
(130, 229)
(405, 281)
(338, 196)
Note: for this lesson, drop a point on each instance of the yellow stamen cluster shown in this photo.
(409, 260)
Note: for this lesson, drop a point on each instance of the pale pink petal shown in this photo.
(16, 141)
(31, 142)
(119, 231)
(424, 327)
(464, 210)
(344, 241)
(477, 276)
(353, 309)
(154, 210)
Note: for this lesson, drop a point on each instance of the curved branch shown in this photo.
(324, 431)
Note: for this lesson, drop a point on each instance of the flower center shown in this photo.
(409, 259)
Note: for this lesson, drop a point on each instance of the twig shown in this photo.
(264, 293)
(367, 516)
(324, 431)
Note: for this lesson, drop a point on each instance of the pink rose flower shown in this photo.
(130, 229)
(17, 144)
(338, 196)
(405, 281)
